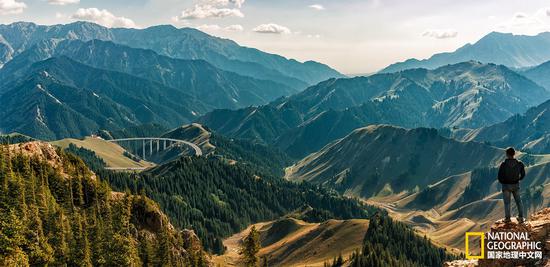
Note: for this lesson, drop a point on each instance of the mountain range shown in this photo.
(468, 94)
(379, 159)
(296, 149)
(59, 98)
(440, 186)
(198, 78)
(185, 43)
(515, 51)
(539, 74)
(163, 90)
(527, 132)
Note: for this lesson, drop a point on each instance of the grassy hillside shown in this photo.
(466, 202)
(440, 186)
(293, 242)
(528, 132)
(385, 159)
(111, 153)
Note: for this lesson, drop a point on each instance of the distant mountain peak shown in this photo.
(167, 40)
(496, 47)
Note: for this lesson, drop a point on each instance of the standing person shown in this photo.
(511, 171)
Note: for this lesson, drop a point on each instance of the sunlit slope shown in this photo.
(467, 202)
(440, 186)
(292, 242)
(384, 159)
(111, 153)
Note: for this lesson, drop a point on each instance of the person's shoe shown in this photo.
(521, 220)
(507, 220)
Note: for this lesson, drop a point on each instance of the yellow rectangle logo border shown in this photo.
(474, 257)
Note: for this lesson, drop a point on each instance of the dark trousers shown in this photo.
(507, 191)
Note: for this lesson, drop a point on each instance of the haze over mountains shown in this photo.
(469, 94)
(516, 51)
(528, 132)
(198, 78)
(185, 43)
(539, 74)
(168, 90)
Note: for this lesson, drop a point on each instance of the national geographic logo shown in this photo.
(481, 235)
(504, 245)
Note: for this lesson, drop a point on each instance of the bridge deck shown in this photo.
(198, 150)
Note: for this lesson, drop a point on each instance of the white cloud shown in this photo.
(8, 7)
(520, 15)
(237, 3)
(272, 28)
(213, 9)
(317, 7)
(63, 2)
(209, 11)
(525, 23)
(103, 17)
(214, 27)
(440, 33)
(234, 28)
(209, 27)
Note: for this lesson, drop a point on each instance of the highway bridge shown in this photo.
(166, 143)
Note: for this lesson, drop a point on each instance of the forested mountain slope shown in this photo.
(57, 212)
(219, 199)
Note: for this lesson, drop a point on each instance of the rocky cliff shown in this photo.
(538, 229)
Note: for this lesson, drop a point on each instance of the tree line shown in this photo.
(65, 216)
(218, 199)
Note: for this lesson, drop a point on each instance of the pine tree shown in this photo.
(250, 248)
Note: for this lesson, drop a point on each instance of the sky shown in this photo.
(352, 36)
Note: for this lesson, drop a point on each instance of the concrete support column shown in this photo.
(151, 147)
(158, 145)
(143, 149)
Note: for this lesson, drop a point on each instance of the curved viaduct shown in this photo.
(165, 141)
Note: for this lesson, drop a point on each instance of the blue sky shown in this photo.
(354, 36)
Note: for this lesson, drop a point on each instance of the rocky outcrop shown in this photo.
(538, 229)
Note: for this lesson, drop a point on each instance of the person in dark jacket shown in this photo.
(511, 171)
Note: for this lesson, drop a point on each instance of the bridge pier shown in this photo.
(143, 149)
(158, 145)
(164, 145)
(151, 148)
